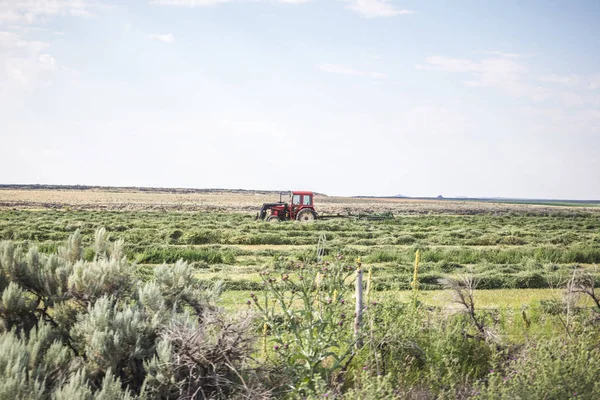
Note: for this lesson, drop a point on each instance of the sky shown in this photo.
(344, 97)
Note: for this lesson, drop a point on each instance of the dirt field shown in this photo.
(245, 201)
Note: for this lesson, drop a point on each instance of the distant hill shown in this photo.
(552, 202)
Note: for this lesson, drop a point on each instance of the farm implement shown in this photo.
(366, 216)
(301, 208)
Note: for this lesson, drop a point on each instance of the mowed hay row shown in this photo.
(503, 251)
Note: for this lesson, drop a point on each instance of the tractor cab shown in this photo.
(300, 207)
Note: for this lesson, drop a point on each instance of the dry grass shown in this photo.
(249, 202)
(485, 299)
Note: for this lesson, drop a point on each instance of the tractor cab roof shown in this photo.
(301, 192)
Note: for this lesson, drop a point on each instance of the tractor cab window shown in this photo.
(296, 200)
(307, 200)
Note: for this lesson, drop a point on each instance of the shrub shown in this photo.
(424, 353)
(556, 368)
(203, 358)
(71, 328)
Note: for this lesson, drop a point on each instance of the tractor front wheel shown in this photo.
(273, 218)
(306, 216)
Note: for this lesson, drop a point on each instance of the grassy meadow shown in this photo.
(154, 302)
(509, 251)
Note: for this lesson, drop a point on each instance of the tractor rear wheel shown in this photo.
(306, 216)
(273, 218)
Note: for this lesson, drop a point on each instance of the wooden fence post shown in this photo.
(359, 307)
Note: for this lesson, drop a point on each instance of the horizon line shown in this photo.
(44, 186)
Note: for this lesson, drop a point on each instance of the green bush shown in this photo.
(558, 368)
(424, 352)
(71, 328)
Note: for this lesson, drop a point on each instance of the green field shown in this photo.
(150, 318)
(503, 252)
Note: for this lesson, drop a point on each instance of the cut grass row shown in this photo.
(238, 229)
(505, 251)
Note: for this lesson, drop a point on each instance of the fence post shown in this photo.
(359, 306)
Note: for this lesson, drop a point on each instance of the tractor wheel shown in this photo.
(306, 216)
(273, 218)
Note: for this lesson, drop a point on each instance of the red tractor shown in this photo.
(300, 208)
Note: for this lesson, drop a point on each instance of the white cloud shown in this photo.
(80, 12)
(25, 69)
(498, 72)
(503, 54)
(30, 11)
(25, 63)
(581, 122)
(165, 38)
(188, 3)
(366, 8)
(9, 40)
(377, 8)
(208, 3)
(568, 80)
(22, 62)
(345, 70)
(441, 63)
(431, 121)
(294, 1)
(511, 77)
(594, 82)
(47, 60)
